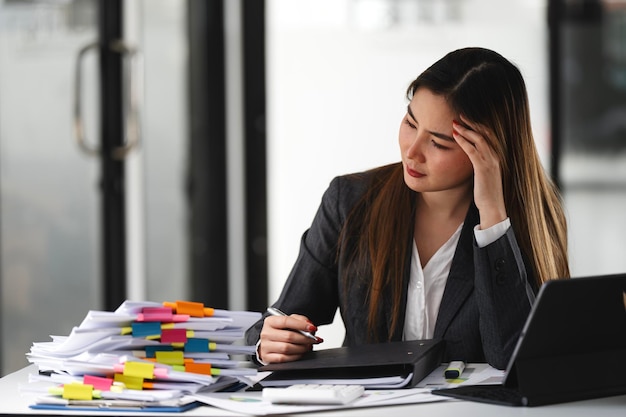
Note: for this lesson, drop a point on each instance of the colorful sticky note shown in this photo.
(139, 369)
(76, 391)
(156, 314)
(198, 368)
(157, 310)
(197, 345)
(146, 329)
(191, 308)
(174, 336)
(170, 358)
(131, 382)
(98, 382)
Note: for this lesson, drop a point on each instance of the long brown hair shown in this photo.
(489, 90)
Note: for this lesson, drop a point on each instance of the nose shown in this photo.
(415, 150)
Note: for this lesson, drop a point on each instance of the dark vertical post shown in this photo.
(554, 53)
(255, 152)
(207, 156)
(111, 137)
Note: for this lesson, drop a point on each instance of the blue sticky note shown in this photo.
(197, 345)
(146, 329)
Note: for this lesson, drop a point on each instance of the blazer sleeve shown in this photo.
(504, 296)
(311, 288)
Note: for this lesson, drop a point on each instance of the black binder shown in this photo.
(416, 359)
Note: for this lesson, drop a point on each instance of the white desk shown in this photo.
(14, 404)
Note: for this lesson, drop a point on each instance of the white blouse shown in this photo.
(426, 285)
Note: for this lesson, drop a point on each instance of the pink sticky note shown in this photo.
(174, 336)
(98, 382)
(163, 314)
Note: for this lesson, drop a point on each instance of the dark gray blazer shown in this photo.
(487, 297)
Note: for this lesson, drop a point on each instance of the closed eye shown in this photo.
(439, 146)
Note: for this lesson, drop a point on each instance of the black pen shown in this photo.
(276, 312)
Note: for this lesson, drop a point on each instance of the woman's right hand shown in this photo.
(279, 341)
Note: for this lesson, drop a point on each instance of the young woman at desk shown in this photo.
(451, 243)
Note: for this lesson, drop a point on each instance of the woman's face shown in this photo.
(431, 158)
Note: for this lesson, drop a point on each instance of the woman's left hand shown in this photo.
(488, 191)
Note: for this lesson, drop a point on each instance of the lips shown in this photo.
(414, 174)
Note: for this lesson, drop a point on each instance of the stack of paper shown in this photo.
(144, 354)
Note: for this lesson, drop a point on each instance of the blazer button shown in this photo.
(500, 264)
(500, 279)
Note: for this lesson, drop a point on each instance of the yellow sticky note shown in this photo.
(130, 382)
(175, 357)
(139, 369)
(78, 392)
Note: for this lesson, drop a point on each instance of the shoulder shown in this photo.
(355, 185)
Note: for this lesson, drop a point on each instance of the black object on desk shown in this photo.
(417, 358)
(572, 347)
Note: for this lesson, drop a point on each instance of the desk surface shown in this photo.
(13, 403)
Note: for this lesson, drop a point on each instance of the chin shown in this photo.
(413, 184)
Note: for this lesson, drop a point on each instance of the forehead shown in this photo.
(427, 107)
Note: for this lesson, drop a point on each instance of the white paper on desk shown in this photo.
(253, 403)
(474, 374)
(388, 382)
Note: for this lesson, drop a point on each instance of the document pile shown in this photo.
(143, 355)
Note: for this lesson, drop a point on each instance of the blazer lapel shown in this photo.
(460, 283)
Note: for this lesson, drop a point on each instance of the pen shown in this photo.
(276, 312)
(454, 369)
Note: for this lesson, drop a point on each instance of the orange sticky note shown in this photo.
(190, 308)
(198, 368)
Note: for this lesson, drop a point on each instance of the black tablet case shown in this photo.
(573, 345)
(419, 357)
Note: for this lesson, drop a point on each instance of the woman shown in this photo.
(451, 243)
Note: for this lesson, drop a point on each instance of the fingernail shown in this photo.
(311, 328)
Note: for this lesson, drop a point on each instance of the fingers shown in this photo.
(467, 136)
(475, 144)
(475, 140)
(280, 341)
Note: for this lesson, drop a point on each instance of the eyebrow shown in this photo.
(436, 134)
